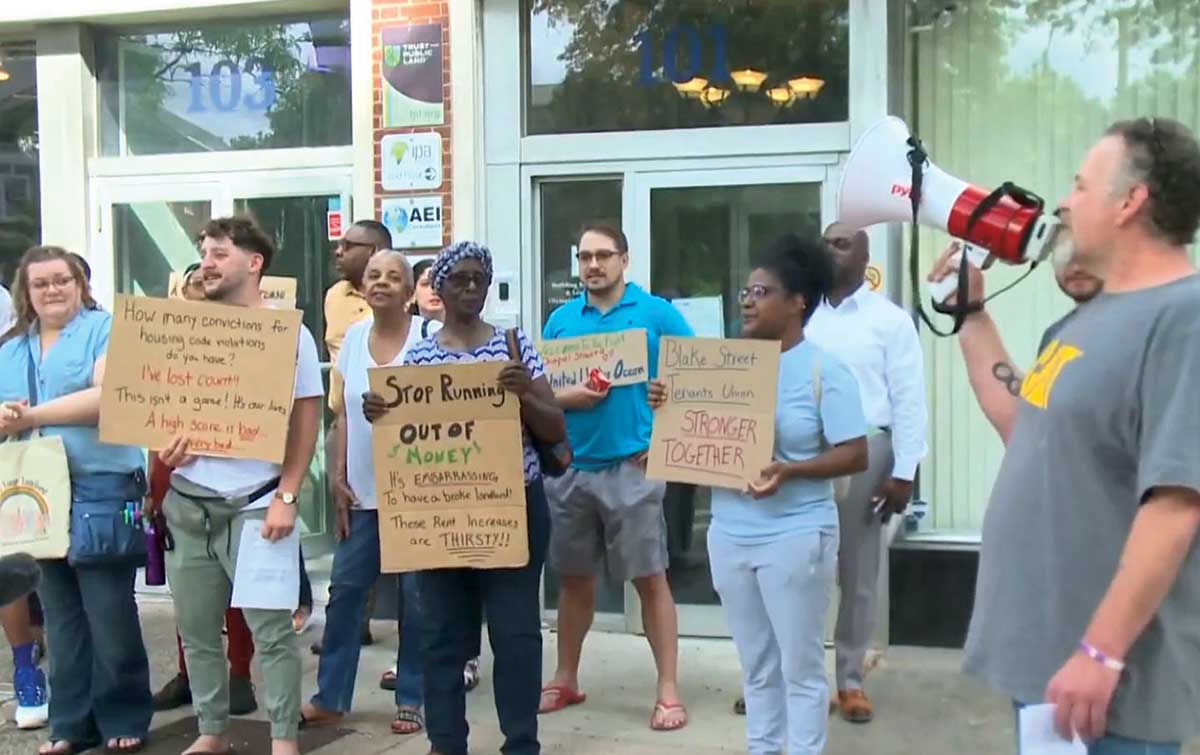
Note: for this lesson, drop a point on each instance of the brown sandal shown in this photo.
(855, 706)
(408, 721)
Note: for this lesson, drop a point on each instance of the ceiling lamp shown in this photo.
(714, 97)
(748, 79)
(693, 87)
(781, 96)
(806, 87)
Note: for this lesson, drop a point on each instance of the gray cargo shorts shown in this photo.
(609, 519)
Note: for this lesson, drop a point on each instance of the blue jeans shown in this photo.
(1112, 744)
(99, 675)
(355, 569)
(454, 601)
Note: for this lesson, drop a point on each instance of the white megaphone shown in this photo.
(877, 187)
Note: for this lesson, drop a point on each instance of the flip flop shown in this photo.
(666, 709)
(564, 697)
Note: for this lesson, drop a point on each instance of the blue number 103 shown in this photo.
(229, 101)
(683, 68)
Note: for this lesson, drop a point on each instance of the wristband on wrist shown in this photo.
(1108, 663)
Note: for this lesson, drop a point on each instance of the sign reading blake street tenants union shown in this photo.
(449, 469)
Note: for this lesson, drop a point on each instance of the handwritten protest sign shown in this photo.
(621, 357)
(449, 469)
(277, 292)
(718, 425)
(222, 375)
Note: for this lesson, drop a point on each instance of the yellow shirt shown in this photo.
(344, 306)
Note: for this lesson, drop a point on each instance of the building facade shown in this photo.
(704, 127)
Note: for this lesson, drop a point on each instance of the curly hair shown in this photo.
(802, 266)
(1163, 154)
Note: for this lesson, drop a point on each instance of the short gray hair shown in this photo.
(409, 279)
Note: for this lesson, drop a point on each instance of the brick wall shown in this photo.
(391, 13)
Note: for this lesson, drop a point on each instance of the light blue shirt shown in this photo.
(619, 426)
(65, 369)
(800, 505)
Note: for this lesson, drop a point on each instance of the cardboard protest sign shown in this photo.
(621, 357)
(277, 292)
(449, 469)
(222, 375)
(718, 425)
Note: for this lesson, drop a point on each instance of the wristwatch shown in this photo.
(288, 498)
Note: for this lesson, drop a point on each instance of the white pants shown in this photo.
(774, 598)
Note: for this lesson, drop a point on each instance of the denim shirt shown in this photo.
(66, 369)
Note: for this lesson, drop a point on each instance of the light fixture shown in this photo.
(748, 79)
(4, 75)
(693, 87)
(781, 96)
(714, 97)
(806, 87)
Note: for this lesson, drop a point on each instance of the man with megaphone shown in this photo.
(1089, 577)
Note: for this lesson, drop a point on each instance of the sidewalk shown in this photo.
(924, 704)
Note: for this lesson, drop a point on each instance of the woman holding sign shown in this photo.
(51, 368)
(382, 340)
(454, 599)
(773, 547)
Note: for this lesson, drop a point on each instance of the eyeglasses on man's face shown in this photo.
(600, 256)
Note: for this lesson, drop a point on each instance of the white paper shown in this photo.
(1038, 736)
(267, 574)
(706, 315)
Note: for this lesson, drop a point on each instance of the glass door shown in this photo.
(701, 230)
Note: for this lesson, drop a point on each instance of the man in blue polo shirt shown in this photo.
(604, 512)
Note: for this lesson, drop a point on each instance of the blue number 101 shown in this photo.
(683, 68)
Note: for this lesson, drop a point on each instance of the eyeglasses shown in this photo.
(602, 257)
(841, 244)
(41, 284)
(462, 280)
(346, 244)
(754, 292)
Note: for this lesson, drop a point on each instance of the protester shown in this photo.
(1089, 575)
(54, 359)
(240, 651)
(211, 499)
(772, 547)
(382, 340)
(606, 515)
(878, 342)
(453, 600)
(993, 375)
(345, 305)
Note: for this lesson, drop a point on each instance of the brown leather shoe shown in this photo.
(855, 706)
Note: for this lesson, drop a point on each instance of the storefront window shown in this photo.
(1001, 90)
(226, 86)
(20, 210)
(628, 65)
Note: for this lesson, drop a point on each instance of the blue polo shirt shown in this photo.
(619, 426)
(65, 369)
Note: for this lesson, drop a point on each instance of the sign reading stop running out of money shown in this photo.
(221, 375)
(718, 425)
(449, 469)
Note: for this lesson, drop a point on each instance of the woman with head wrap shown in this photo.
(453, 600)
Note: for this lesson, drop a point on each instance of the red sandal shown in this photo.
(563, 697)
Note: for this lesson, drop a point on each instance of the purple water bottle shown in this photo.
(156, 570)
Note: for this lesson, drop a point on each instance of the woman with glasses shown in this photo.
(773, 546)
(454, 600)
(51, 369)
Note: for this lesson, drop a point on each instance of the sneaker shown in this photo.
(241, 696)
(33, 701)
(174, 694)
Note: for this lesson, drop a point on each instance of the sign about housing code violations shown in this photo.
(718, 425)
(221, 375)
(449, 469)
(621, 356)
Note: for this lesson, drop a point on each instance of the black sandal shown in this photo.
(410, 717)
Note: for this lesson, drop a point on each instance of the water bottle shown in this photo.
(156, 569)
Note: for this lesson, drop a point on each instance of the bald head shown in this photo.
(850, 250)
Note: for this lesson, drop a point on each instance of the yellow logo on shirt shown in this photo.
(1050, 363)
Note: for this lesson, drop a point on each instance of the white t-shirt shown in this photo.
(6, 309)
(235, 477)
(352, 364)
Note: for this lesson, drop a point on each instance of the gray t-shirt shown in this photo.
(1110, 410)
